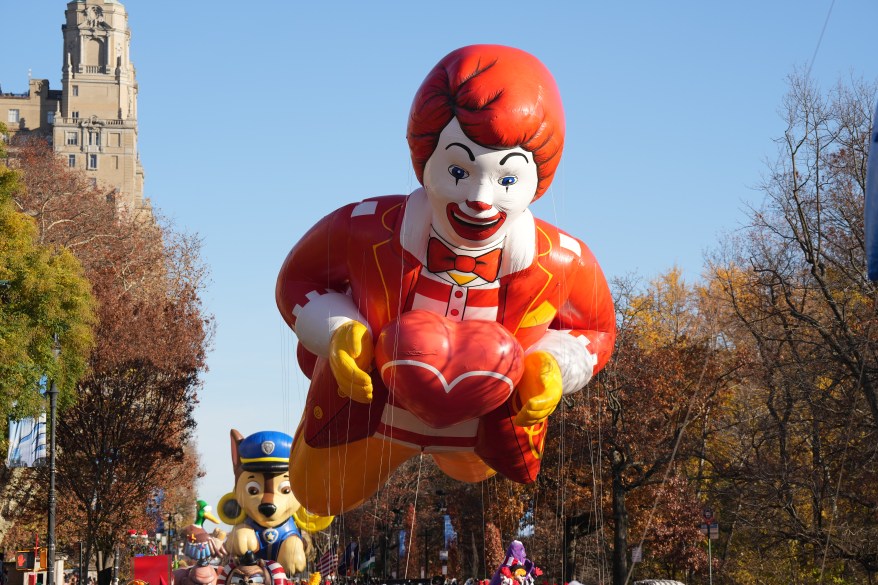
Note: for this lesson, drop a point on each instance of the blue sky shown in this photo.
(296, 108)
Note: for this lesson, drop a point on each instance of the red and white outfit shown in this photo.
(368, 262)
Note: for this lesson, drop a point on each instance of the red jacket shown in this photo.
(358, 251)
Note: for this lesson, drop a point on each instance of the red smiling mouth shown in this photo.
(474, 229)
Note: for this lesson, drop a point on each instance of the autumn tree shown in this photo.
(795, 464)
(620, 469)
(125, 438)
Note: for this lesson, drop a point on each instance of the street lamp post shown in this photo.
(397, 527)
(50, 539)
(170, 532)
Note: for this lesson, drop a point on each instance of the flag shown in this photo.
(328, 562)
(351, 560)
(369, 561)
(27, 442)
(872, 204)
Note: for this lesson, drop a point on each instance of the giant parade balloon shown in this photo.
(449, 321)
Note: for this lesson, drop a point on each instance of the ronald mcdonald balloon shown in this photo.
(449, 321)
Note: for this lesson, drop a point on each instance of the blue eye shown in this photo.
(508, 180)
(458, 173)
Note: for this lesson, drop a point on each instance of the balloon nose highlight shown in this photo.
(267, 510)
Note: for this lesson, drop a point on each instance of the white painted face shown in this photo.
(477, 193)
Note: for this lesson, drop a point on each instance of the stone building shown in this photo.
(92, 120)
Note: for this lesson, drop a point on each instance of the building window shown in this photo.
(50, 117)
(94, 138)
(72, 139)
(116, 162)
(13, 116)
(75, 90)
(71, 160)
(92, 161)
(93, 182)
(74, 115)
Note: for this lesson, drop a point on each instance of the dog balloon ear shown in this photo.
(236, 438)
(305, 520)
(230, 511)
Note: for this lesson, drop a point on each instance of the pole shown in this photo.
(50, 539)
(384, 553)
(115, 564)
(709, 558)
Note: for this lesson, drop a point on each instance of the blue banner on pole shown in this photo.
(27, 442)
(449, 533)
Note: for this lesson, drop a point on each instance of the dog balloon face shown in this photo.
(266, 497)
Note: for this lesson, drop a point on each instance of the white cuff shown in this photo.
(317, 320)
(576, 362)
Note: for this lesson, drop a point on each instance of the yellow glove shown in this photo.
(314, 579)
(539, 389)
(350, 358)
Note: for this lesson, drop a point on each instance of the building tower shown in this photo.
(95, 123)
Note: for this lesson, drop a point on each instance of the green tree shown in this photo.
(43, 293)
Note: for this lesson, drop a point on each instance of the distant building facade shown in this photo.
(91, 121)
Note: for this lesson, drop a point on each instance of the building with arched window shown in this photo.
(92, 120)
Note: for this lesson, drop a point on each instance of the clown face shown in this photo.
(477, 193)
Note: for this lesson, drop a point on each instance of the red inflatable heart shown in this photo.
(447, 372)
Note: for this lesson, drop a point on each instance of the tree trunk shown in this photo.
(576, 528)
(474, 568)
(86, 560)
(620, 535)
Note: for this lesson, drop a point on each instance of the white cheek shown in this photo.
(515, 199)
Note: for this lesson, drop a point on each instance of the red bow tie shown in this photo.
(440, 258)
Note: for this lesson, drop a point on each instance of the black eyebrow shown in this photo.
(505, 158)
(463, 146)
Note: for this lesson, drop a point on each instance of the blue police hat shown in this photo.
(265, 451)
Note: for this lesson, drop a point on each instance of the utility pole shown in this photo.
(50, 539)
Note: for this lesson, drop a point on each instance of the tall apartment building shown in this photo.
(92, 120)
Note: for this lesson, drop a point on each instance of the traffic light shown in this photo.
(24, 560)
(43, 562)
